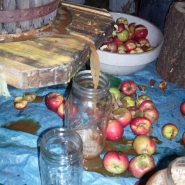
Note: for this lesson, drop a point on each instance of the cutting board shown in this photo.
(54, 54)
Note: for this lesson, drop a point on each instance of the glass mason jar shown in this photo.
(175, 174)
(60, 159)
(87, 111)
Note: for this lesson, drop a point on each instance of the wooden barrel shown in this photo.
(22, 15)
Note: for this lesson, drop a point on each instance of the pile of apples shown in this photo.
(55, 102)
(21, 102)
(139, 113)
(128, 109)
(127, 38)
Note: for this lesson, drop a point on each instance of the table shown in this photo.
(19, 152)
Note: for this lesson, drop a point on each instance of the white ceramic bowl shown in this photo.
(125, 64)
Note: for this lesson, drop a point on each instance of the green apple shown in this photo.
(170, 130)
(150, 48)
(116, 93)
(122, 20)
(141, 98)
(123, 35)
(130, 101)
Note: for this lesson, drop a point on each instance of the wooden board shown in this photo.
(54, 55)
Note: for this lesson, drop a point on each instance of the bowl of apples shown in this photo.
(134, 44)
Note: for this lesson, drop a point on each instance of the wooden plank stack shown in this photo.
(53, 55)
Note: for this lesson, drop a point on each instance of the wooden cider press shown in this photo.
(45, 42)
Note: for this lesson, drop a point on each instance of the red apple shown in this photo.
(61, 110)
(152, 114)
(135, 112)
(137, 50)
(135, 41)
(115, 162)
(143, 144)
(119, 27)
(146, 104)
(131, 35)
(144, 48)
(128, 87)
(53, 100)
(121, 20)
(116, 40)
(140, 125)
(141, 31)
(144, 44)
(144, 41)
(130, 45)
(131, 27)
(112, 47)
(170, 130)
(183, 138)
(123, 116)
(20, 103)
(114, 130)
(182, 108)
(141, 165)
(121, 48)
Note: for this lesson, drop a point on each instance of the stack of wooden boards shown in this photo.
(53, 55)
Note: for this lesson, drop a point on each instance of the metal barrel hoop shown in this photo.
(9, 16)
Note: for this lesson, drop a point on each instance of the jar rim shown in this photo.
(72, 157)
(85, 76)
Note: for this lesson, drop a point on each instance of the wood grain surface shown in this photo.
(54, 55)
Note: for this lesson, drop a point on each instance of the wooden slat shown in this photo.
(91, 24)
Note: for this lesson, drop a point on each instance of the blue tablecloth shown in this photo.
(19, 154)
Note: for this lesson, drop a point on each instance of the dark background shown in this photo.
(154, 11)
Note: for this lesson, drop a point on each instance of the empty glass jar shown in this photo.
(60, 158)
(87, 111)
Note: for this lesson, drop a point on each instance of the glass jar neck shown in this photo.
(61, 146)
(83, 85)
